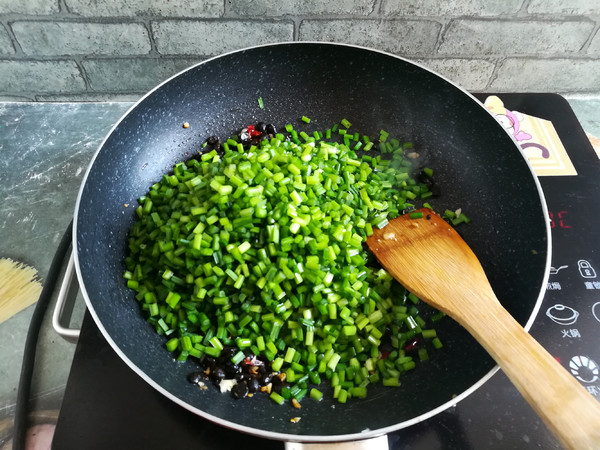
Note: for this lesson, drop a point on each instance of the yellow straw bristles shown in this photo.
(19, 287)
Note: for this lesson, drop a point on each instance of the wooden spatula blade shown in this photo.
(428, 256)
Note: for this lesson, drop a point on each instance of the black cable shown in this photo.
(24, 391)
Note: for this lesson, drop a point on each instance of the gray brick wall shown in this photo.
(62, 77)
(204, 37)
(274, 8)
(451, 8)
(109, 50)
(594, 48)
(73, 39)
(400, 36)
(564, 7)
(542, 38)
(6, 47)
(151, 8)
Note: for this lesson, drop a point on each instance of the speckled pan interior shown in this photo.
(477, 165)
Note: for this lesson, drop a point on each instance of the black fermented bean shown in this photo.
(253, 385)
(217, 374)
(266, 378)
(261, 126)
(196, 377)
(240, 390)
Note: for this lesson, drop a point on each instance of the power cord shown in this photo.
(24, 391)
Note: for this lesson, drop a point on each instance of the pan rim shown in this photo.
(365, 434)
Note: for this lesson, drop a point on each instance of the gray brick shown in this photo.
(122, 75)
(81, 38)
(564, 7)
(90, 97)
(409, 37)
(594, 48)
(34, 7)
(152, 8)
(309, 7)
(175, 37)
(6, 47)
(40, 76)
(15, 98)
(548, 75)
(514, 37)
(470, 74)
(449, 8)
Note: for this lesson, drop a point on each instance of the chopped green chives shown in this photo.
(359, 391)
(261, 104)
(277, 398)
(391, 381)
(342, 396)
(238, 357)
(462, 218)
(448, 214)
(429, 334)
(261, 249)
(216, 343)
(231, 274)
(172, 344)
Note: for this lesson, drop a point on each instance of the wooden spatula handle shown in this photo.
(566, 407)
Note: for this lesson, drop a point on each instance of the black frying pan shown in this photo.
(477, 165)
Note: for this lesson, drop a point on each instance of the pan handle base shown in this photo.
(69, 334)
(376, 443)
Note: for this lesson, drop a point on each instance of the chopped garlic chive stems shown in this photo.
(262, 249)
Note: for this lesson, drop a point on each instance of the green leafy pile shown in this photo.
(262, 249)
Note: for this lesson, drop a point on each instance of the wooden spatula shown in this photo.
(430, 259)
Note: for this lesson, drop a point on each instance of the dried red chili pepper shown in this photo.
(252, 131)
